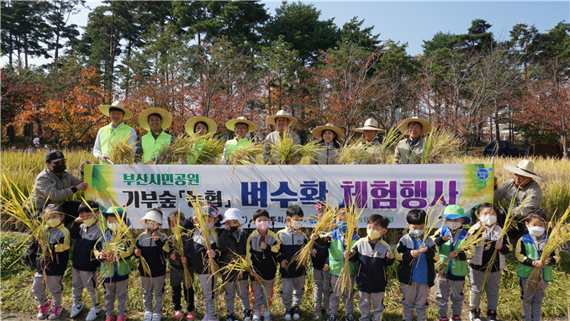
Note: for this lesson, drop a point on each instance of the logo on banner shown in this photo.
(483, 174)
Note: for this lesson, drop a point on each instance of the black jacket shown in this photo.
(86, 238)
(230, 247)
(371, 258)
(197, 251)
(407, 262)
(292, 241)
(153, 252)
(264, 262)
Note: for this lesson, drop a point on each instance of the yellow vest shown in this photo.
(151, 146)
(107, 136)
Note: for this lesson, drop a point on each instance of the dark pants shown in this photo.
(178, 285)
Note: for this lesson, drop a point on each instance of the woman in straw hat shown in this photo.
(115, 131)
(282, 121)
(201, 126)
(522, 188)
(410, 149)
(240, 126)
(369, 132)
(329, 136)
(155, 121)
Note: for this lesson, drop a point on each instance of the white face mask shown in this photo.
(296, 224)
(453, 225)
(113, 226)
(536, 231)
(489, 220)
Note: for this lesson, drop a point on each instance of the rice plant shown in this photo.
(206, 150)
(178, 246)
(326, 223)
(245, 154)
(287, 152)
(203, 229)
(122, 152)
(352, 214)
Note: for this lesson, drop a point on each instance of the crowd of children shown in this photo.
(103, 243)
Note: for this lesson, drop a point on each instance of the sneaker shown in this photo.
(122, 318)
(288, 315)
(147, 316)
(266, 315)
(456, 318)
(296, 313)
(327, 311)
(55, 312)
(443, 319)
(231, 317)
(94, 313)
(178, 314)
(491, 315)
(332, 317)
(43, 310)
(191, 316)
(156, 316)
(110, 318)
(75, 310)
(349, 317)
(474, 315)
(318, 314)
(247, 315)
(257, 315)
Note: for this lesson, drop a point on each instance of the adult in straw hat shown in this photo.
(522, 188)
(370, 130)
(240, 126)
(155, 121)
(409, 150)
(200, 126)
(117, 130)
(282, 121)
(328, 136)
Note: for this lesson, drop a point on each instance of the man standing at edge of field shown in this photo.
(154, 120)
(114, 131)
(54, 185)
(282, 121)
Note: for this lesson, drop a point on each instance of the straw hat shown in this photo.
(212, 127)
(231, 124)
(119, 105)
(271, 119)
(318, 132)
(164, 114)
(403, 126)
(524, 168)
(370, 124)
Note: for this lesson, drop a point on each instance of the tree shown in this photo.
(352, 33)
(57, 17)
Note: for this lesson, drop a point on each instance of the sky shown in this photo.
(412, 22)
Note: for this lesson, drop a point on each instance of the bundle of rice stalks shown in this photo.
(206, 150)
(352, 214)
(122, 152)
(202, 227)
(287, 152)
(356, 153)
(178, 245)
(559, 235)
(179, 152)
(326, 223)
(240, 265)
(469, 242)
(245, 154)
(386, 148)
(439, 146)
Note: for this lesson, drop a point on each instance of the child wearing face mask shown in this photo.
(115, 266)
(261, 253)
(232, 242)
(416, 272)
(528, 251)
(372, 254)
(337, 243)
(86, 233)
(450, 282)
(321, 275)
(154, 247)
(293, 277)
(481, 262)
(51, 266)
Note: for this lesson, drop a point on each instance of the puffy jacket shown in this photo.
(117, 270)
(154, 253)
(483, 253)
(86, 238)
(50, 188)
(59, 244)
(371, 258)
(457, 267)
(405, 154)
(264, 262)
(292, 241)
(197, 250)
(408, 263)
(322, 256)
(186, 237)
(230, 247)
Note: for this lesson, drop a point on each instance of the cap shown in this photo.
(54, 156)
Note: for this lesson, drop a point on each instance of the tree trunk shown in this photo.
(497, 131)
(26, 50)
(112, 52)
(11, 134)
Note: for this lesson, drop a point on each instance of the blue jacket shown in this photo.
(86, 238)
(371, 258)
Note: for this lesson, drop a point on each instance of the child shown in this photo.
(293, 277)
(199, 257)
(373, 254)
(450, 283)
(261, 253)
(177, 220)
(232, 242)
(321, 276)
(51, 266)
(152, 245)
(115, 267)
(528, 252)
(481, 261)
(416, 272)
(337, 244)
(86, 233)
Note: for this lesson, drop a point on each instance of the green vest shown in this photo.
(107, 136)
(110, 269)
(194, 155)
(151, 146)
(523, 271)
(458, 267)
(233, 144)
(336, 255)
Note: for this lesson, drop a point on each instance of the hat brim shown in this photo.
(318, 132)
(190, 124)
(166, 118)
(521, 172)
(362, 129)
(403, 126)
(105, 110)
(251, 126)
(151, 216)
(456, 216)
(271, 119)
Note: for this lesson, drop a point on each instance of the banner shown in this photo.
(389, 190)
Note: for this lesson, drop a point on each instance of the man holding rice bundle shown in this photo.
(240, 126)
(523, 188)
(155, 121)
(282, 121)
(200, 127)
(117, 130)
(369, 132)
(410, 149)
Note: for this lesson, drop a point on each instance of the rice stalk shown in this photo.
(386, 149)
(122, 152)
(205, 150)
(287, 152)
(469, 242)
(182, 151)
(245, 154)
(179, 248)
(303, 256)
(439, 146)
(203, 229)
(356, 153)
(352, 214)
(240, 265)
